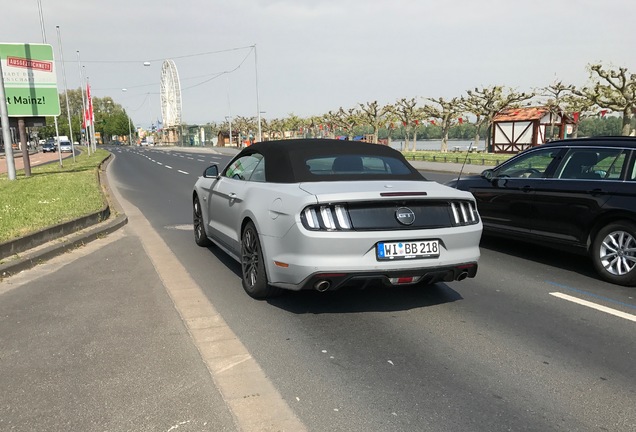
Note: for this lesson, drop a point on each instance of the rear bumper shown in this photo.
(324, 281)
(299, 261)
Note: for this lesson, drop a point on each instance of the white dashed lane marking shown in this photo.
(596, 306)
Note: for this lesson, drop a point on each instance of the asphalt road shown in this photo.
(535, 343)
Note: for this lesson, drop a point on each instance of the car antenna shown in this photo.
(464, 164)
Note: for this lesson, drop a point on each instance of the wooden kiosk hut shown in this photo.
(224, 139)
(516, 129)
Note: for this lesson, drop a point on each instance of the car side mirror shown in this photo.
(487, 174)
(211, 172)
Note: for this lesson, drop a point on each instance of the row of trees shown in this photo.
(110, 118)
(468, 117)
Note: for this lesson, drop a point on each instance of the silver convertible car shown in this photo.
(324, 214)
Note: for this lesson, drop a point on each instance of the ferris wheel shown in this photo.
(170, 95)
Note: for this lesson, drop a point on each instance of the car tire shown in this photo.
(614, 253)
(200, 237)
(254, 276)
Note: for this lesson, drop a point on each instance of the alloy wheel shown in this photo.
(617, 253)
(250, 257)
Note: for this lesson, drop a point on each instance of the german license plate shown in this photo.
(411, 249)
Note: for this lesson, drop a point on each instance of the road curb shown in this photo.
(26, 252)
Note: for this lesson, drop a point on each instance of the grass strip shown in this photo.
(487, 159)
(51, 195)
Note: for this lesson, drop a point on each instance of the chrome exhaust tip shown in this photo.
(322, 286)
(463, 275)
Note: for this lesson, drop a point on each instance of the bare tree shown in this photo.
(245, 126)
(614, 89)
(293, 123)
(486, 102)
(277, 127)
(266, 129)
(404, 109)
(447, 114)
(555, 94)
(335, 122)
(350, 118)
(580, 107)
(373, 115)
(390, 119)
(314, 125)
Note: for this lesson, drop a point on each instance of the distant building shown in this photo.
(516, 129)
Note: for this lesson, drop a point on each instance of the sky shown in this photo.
(308, 57)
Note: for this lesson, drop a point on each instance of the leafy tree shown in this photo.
(613, 89)
(464, 131)
(117, 124)
(600, 126)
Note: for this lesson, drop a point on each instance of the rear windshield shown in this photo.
(363, 165)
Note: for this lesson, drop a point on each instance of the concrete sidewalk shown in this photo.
(91, 341)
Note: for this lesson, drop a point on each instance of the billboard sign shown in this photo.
(30, 80)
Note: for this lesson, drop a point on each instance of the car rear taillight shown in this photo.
(333, 217)
(464, 213)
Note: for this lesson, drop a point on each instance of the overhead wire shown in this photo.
(213, 76)
(170, 57)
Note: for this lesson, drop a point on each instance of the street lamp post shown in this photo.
(258, 108)
(129, 125)
(229, 119)
(129, 131)
(260, 134)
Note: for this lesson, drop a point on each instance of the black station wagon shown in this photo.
(577, 194)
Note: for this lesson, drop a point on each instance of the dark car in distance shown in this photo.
(575, 194)
(49, 147)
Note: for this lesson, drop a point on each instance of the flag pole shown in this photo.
(79, 67)
(68, 109)
(91, 116)
(57, 141)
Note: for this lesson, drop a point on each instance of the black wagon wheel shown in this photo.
(252, 265)
(200, 237)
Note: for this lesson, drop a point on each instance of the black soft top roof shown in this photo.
(285, 159)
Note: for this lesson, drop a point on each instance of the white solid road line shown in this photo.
(592, 305)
